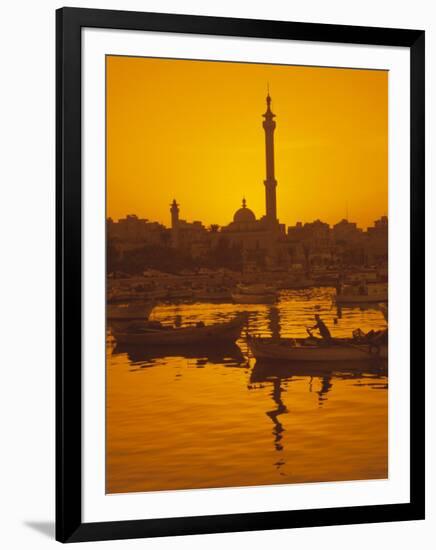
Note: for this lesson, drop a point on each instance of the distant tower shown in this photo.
(174, 223)
(269, 126)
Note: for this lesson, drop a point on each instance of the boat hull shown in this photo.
(270, 350)
(221, 332)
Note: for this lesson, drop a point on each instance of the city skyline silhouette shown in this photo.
(204, 146)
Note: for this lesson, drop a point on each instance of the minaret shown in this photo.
(269, 126)
(174, 223)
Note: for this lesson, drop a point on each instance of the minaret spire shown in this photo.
(270, 182)
(174, 223)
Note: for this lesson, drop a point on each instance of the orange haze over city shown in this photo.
(192, 131)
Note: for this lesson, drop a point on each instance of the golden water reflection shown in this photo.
(213, 418)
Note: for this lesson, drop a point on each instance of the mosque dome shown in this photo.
(244, 214)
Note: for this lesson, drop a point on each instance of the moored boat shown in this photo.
(180, 294)
(129, 312)
(297, 282)
(254, 294)
(255, 288)
(153, 334)
(307, 349)
(362, 294)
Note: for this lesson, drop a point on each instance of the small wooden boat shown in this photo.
(180, 294)
(255, 288)
(124, 296)
(308, 349)
(160, 335)
(256, 293)
(362, 294)
(298, 283)
(129, 312)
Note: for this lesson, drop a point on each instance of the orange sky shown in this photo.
(192, 130)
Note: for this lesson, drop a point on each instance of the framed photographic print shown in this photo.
(240, 274)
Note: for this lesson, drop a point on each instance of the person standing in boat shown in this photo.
(322, 328)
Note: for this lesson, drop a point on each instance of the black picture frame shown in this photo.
(69, 525)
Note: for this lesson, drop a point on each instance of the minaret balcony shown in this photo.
(269, 124)
(270, 183)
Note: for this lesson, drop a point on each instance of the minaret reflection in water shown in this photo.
(278, 429)
(277, 377)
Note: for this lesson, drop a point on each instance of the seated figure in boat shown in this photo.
(322, 328)
(373, 337)
(378, 337)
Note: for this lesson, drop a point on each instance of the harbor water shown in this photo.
(194, 418)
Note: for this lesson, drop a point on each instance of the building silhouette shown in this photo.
(132, 232)
(259, 243)
(189, 236)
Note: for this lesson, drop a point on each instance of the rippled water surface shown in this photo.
(200, 418)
